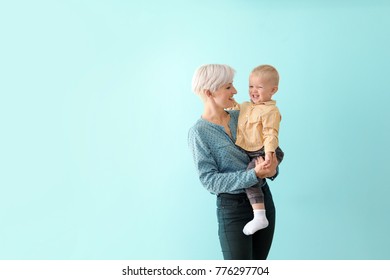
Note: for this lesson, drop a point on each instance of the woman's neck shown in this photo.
(216, 115)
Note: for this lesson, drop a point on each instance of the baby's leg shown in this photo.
(256, 199)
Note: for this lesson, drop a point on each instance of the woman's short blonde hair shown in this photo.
(211, 77)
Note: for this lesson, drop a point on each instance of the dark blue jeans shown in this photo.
(233, 212)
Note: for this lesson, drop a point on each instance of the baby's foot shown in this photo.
(259, 222)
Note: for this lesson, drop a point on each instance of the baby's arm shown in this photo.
(236, 106)
(271, 122)
(267, 159)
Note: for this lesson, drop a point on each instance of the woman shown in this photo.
(222, 166)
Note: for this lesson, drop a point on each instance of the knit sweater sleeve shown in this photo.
(209, 171)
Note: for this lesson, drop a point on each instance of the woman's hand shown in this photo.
(262, 171)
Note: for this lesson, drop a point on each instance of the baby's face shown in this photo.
(260, 89)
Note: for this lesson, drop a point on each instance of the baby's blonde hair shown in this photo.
(267, 71)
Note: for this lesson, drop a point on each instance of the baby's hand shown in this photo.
(264, 172)
(267, 160)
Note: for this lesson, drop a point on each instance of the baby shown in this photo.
(257, 134)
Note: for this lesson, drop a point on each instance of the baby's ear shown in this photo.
(274, 89)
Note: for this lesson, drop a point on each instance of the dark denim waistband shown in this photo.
(239, 195)
(232, 195)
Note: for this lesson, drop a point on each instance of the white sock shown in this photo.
(259, 222)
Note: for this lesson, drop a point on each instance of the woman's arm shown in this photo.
(210, 176)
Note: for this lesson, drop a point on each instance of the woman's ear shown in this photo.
(208, 93)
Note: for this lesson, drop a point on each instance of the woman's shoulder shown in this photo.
(202, 133)
(199, 127)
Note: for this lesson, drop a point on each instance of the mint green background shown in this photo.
(96, 104)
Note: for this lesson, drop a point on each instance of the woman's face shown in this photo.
(224, 96)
